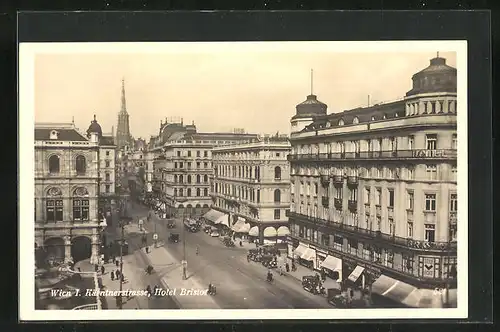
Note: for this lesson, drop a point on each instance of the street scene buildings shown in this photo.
(349, 209)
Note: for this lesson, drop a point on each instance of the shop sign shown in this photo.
(428, 267)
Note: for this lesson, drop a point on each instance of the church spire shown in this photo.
(124, 103)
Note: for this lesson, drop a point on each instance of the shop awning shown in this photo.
(254, 231)
(309, 254)
(283, 231)
(223, 220)
(430, 298)
(237, 225)
(391, 288)
(245, 228)
(332, 263)
(299, 251)
(270, 232)
(213, 215)
(356, 273)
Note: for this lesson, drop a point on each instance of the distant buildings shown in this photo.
(374, 189)
(67, 190)
(251, 185)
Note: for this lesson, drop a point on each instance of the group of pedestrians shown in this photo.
(115, 274)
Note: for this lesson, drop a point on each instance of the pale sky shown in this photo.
(217, 90)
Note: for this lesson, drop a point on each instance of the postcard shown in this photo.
(243, 180)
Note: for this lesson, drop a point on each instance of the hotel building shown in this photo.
(374, 189)
(67, 225)
(183, 166)
(251, 185)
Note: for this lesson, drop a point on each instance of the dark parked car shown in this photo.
(174, 238)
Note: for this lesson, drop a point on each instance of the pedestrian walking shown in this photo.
(117, 263)
(287, 267)
(122, 276)
(148, 290)
(112, 276)
(96, 268)
(102, 269)
(79, 270)
(117, 274)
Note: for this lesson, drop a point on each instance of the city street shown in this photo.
(240, 285)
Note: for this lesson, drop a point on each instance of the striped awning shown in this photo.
(214, 216)
(299, 251)
(391, 288)
(254, 231)
(283, 231)
(237, 225)
(270, 232)
(245, 228)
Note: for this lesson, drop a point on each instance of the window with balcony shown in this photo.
(205, 178)
(181, 165)
(175, 165)
(410, 200)
(430, 232)
(106, 163)
(431, 141)
(189, 179)
(80, 209)
(352, 247)
(205, 191)
(107, 188)
(178, 153)
(198, 178)
(54, 164)
(301, 231)
(389, 258)
(338, 242)
(107, 177)
(54, 210)
(430, 202)
(198, 192)
(431, 172)
(409, 229)
(181, 179)
(198, 164)
(205, 165)
(392, 226)
(277, 214)
(198, 153)
(325, 240)
(411, 142)
(175, 192)
(189, 192)
(189, 165)
(277, 173)
(181, 192)
(277, 196)
(175, 178)
(390, 202)
(205, 153)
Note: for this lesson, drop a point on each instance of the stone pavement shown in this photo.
(170, 271)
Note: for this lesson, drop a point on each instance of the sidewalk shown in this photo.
(170, 271)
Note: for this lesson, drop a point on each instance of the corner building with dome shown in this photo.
(67, 190)
(374, 192)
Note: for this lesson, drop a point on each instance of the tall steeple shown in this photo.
(123, 136)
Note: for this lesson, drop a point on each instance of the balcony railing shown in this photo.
(352, 205)
(378, 155)
(377, 235)
(337, 203)
(325, 201)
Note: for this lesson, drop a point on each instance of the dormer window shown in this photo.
(355, 120)
(341, 122)
(54, 134)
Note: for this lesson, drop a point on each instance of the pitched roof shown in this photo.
(42, 134)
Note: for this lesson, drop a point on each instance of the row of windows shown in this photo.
(189, 164)
(244, 192)
(376, 144)
(189, 154)
(180, 192)
(180, 178)
(244, 172)
(242, 155)
(55, 164)
(54, 210)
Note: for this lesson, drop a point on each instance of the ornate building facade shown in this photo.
(375, 188)
(67, 224)
(251, 185)
(182, 166)
(107, 172)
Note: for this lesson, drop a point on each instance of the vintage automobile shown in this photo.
(253, 255)
(173, 237)
(214, 233)
(170, 224)
(336, 298)
(228, 242)
(269, 261)
(312, 284)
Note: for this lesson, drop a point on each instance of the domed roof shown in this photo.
(437, 77)
(94, 128)
(310, 107)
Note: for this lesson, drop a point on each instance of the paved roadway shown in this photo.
(240, 285)
(139, 264)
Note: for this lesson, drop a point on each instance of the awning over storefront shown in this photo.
(245, 228)
(254, 231)
(309, 255)
(212, 215)
(237, 225)
(283, 231)
(223, 220)
(332, 263)
(356, 273)
(391, 288)
(299, 251)
(430, 298)
(269, 232)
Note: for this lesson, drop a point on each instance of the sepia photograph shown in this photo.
(243, 180)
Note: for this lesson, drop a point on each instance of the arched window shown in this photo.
(205, 192)
(81, 165)
(181, 179)
(189, 192)
(54, 164)
(175, 191)
(277, 173)
(198, 178)
(175, 178)
(198, 192)
(81, 204)
(277, 196)
(54, 205)
(355, 120)
(205, 178)
(189, 178)
(181, 192)
(341, 122)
